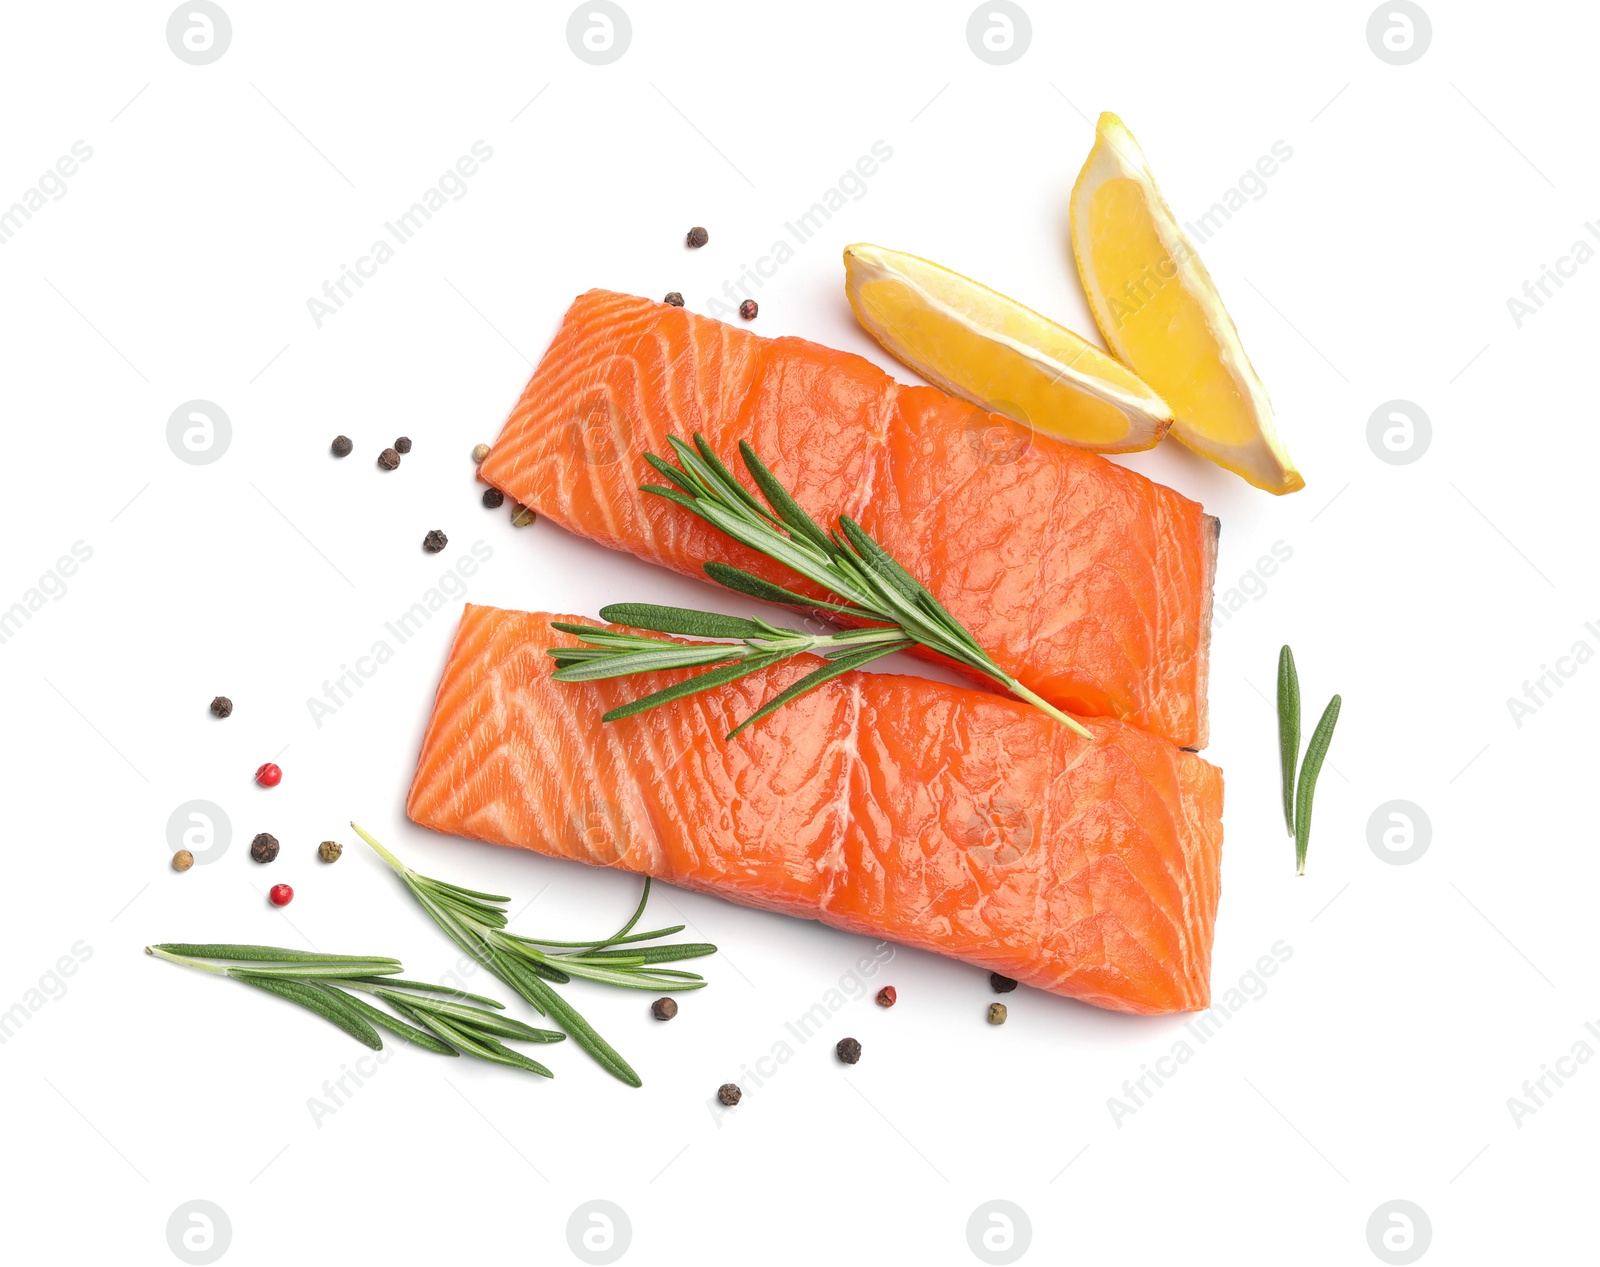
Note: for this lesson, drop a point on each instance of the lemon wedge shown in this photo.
(984, 347)
(1160, 313)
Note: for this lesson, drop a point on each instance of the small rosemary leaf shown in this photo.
(320, 1002)
(671, 656)
(456, 888)
(778, 497)
(398, 983)
(814, 679)
(1288, 728)
(638, 912)
(667, 471)
(292, 971)
(682, 621)
(475, 1018)
(272, 954)
(1316, 750)
(878, 559)
(743, 582)
(584, 1035)
(654, 954)
(482, 1047)
(502, 1055)
(472, 910)
(530, 961)
(611, 639)
(899, 644)
(379, 1017)
(609, 941)
(692, 686)
(727, 477)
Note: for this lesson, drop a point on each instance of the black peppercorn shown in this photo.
(264, 848)
(748, 309)
(493, 498)
(342, 446)
(388, 459)
(664, 1009)
(849, 1050)
(1002, 985)
(729, 1093)
(222, 706)
(435, 541)
(698, 236)
(403, 444)
(673, 298)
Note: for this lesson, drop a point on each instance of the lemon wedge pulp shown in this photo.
(1160, 313)
(984, 347)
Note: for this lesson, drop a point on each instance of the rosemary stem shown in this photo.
(1022, 692)
(187, 962)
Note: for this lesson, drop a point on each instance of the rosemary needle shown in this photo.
(1288, 728)
(865, 582)
(1316, 750)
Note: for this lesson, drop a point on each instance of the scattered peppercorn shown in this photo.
(664, 1009)
(403, 445)
(435, 541)
(673, 298)
(729, 1093)
(269, 775)
(849, 1050)
(342, 446)
(493, 498)
(997, 1013)
(748, 309)
(698, 236)
(388, 459)
(1002, 985)
(264, 848)
(523, 517)
(479, 452)
(280, 895)
(887, 996)
(329, 850)
(222, 706)
(182, 860)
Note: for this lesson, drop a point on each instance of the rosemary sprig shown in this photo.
(865, 581)
(476, 922)
(323, 983)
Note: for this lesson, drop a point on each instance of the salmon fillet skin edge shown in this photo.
(1086, 581)
(945, 818)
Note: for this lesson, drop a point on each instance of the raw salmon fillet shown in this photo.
(948, 819)
(1086, 581)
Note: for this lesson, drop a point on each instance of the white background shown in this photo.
(1377, 266)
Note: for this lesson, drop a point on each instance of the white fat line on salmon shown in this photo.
(1253, 585)
(51, 586)
(1542, 689)
(51, 987)
(852, 185)
(808, 1025)
(365, 1067)
(1537, 1092)
(402, 229)
(51, 185)
(339, 691)
(1202, 1027)
(1536, 292)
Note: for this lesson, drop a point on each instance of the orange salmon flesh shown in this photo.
(948, 819)
(1085, 581)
